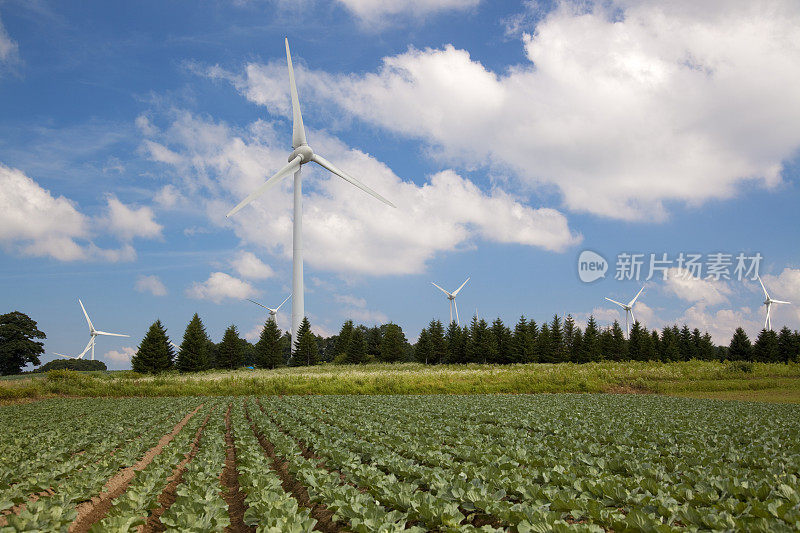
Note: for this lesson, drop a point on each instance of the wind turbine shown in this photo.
(272, 312)
(301, 154)
(768, 302)
(628, 307)
(452, 297)
(93, 334)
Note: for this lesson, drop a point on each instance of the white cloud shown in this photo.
(8, 47)
(721, 323)
(785, 286)
(692, 289)
(123, 355)
(130, 222)
(220, 286)
(365, 316)
(161, 153)
(622, 106)
(145, 126)
(251, 267)
(36, 221)
(345, 230)
(151, 284)
(168, 196)
(377, 12)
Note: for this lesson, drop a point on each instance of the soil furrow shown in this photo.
(167, 496)
(233, 495)
(291, 485)
(96, 509)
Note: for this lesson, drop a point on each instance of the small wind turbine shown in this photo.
(628, 307)
(452, 297)
(301, 154)
(272, 312)
(93, 334)
(768, 302)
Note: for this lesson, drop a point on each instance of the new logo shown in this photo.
(591, 266)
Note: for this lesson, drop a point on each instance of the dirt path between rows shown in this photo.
(233, 494)
(168, 495)
(95, 509)
(320, 512)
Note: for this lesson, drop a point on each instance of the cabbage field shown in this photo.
(560, 462)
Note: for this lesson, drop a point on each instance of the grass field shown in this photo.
(699, 379)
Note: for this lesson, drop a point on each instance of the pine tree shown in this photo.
(343, 339)
(655, 346)
(456, 340)
(636, 348)
(766, 349)
(740, 348)
(373, 337)
(422, 349)
(393, 344)
(686, 344)
(481, 346)
(155, 353)
(578, 353)
(591, 342)
(606, 342)
(619, 346)
(229, 351)
(557, 346)
(269, 348)
(438, 345)
(544, 348)
(502, 340)
(670, 351)
(306, 352)
(193, 354)
(569, 334)
(787, 351)
(706, 349)
(356, 353)
(520, 342)
(533, 350)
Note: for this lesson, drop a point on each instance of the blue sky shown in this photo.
(511, 135)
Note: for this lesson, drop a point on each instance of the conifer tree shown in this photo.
(502, 341)
(269, 348)
(686, 344)
(619, 345)
(456, 340)
(520, 343)
(707, 351)
(569, 333)
(356, 353)
(438, 345)
(393, 344)
(229, 351)
(591, 341)
(578, 354)
(306, 351)
(155, 353)
(655, 345)
(372, 338)
(765, 349)
(557, 345)
(636, 350)
(787, 351)
(343, 339)
(422, 349)
(544, 347)
(740, 348)
(670, 351)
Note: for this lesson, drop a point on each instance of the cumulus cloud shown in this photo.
(249, 266)
(693, 289)
(378, 12)
(785, 286)
(8, 47)
(722, 323)
(130, 222)
(622, 106)
(36, 222)
(168, 196)
(151, 284)
(345, 230)
(123, 355)
(220, 286)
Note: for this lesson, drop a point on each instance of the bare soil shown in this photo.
(233, 495)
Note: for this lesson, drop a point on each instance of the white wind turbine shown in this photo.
(93, 334)
(273, 313)
(451, 296)
(301, 155)
(768, 303)
(628, 307)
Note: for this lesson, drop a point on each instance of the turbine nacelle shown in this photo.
(304, 151)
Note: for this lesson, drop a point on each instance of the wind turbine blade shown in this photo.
(455, 292)
(290, 167)
(283, 302)
(636, 297)
(458, 321)
(321, 161)
(62, 355)
(633, 318)
(616, 302)
(780, 302)
(86, 315)
(766, 294)
(111, 334)
(441, 289)
(258, 304)
(89, 345)
(298, 131)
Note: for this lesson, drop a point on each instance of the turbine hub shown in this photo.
(304, 151)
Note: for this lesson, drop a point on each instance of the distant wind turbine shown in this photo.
(768, 303)
(272, 312)
(93, 334)
(628, 307)
(301, 155)
(451, 296)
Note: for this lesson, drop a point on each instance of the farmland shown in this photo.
(559, 462)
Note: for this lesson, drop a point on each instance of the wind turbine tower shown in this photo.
(451, 296)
